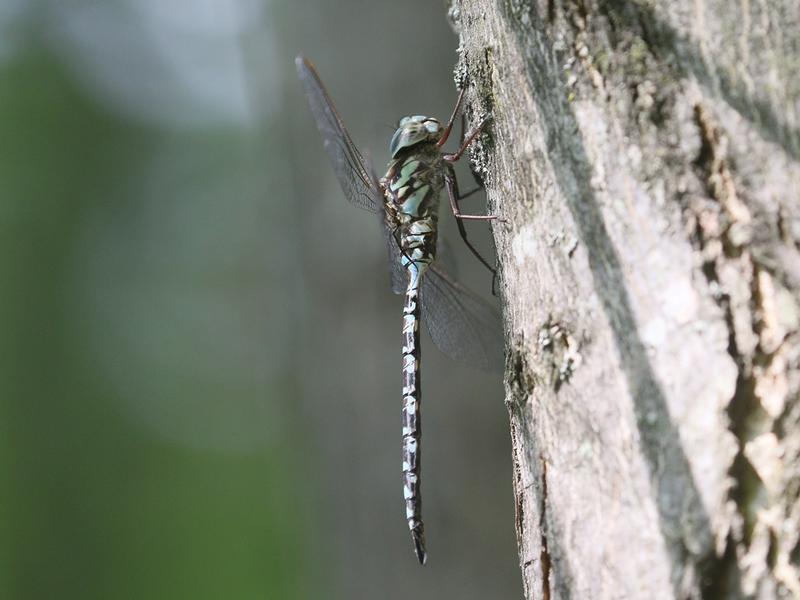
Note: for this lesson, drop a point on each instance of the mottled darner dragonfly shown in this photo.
(461, 324)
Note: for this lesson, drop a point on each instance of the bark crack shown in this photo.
(757, 347)
(544, 557)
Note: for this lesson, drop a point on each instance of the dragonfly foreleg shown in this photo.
(449, 127)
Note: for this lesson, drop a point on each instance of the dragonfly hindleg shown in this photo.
(452, 193)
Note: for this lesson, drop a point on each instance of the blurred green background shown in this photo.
(200, 351)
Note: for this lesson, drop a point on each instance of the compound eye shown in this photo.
(432, 126)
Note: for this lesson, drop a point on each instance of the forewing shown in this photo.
(462, 324)
(347, 160)
(398, 275)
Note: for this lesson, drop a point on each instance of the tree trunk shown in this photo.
(645, 157)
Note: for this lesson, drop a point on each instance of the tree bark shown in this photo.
(646, 159)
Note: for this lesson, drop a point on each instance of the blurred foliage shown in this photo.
(200, 359)
(94, 505)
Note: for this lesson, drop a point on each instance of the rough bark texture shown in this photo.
(646, 157)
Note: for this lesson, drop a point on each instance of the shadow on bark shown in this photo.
(682, 54)
(683, 521)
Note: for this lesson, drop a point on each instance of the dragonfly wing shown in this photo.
(445, 257)
(462, 324)
(347, 160)
(399, 276)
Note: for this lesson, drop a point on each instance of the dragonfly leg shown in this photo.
(454, 157)
(469, 137)
(478, 182)
(452, 194)
(449, 127)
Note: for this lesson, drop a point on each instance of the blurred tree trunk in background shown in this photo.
(645, 156)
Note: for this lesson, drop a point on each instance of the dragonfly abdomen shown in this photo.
(412, 428)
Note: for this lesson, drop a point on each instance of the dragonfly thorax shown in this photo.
(411, 190)
(413, 130)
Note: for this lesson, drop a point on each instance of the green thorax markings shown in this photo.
(415, 180)
(412, 185)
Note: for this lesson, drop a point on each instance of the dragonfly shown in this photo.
(406, 199)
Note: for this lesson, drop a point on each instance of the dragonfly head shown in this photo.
(413, 130)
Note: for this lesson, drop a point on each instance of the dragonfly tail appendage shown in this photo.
(412, 430)
(418, 536)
